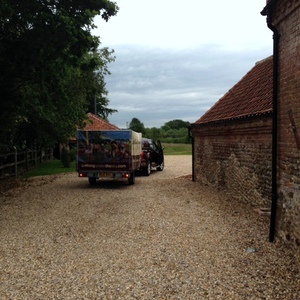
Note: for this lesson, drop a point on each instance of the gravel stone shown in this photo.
(165, 237)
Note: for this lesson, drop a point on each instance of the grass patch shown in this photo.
(177, 149)
(50, 168)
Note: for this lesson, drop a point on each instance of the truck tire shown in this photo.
(131, 179)
(160, 167)
(92, 180)
(147, 170)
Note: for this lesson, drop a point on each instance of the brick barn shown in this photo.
(95, 122)
(283, 19)
(232, 142)
(248, 143)
(92, 122)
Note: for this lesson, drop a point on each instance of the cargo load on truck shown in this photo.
(108, 154)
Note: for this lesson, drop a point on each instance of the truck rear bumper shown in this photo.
(105, 175)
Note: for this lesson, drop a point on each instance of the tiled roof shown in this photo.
(96, 123)
(252, 95)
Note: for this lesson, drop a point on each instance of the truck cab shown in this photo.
(152, 156)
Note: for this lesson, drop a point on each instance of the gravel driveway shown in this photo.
(165, 237)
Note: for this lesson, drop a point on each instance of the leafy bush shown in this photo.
(65, 157)
(72, 154)
(175, 131)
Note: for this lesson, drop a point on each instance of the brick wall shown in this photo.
(235, 156)
(286, 19)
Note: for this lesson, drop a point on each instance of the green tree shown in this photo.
(153, 133)
(97, 93)
(137, 126)
(175, 124)
(175, 131)
(44, 54)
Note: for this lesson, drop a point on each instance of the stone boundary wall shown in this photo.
(236, 156)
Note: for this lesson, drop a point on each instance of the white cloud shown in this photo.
(235, 24)
(175, 59)
(159, 85)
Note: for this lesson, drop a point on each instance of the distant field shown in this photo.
(177, 149)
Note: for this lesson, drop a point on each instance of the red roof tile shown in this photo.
(96, 123)
(252, 95)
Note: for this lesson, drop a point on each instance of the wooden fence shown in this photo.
(17, 162)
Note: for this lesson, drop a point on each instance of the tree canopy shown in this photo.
(175, 131)
(51, 68)
(175, 124)
(137, 126)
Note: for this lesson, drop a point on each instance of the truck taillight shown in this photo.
(82, 175)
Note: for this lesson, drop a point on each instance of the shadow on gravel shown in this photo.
(114, 183)
(104, 184)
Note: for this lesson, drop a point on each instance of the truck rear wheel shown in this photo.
(160, 167)
(131, 179)
(147, 170)
(92, 180)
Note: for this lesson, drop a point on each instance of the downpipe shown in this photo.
(274, 204)
(193, 156)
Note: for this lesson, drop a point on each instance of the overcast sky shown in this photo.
(175, 59)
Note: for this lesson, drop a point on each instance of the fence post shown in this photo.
(16, 162)
(26, 159)
(35, 155)
(51, 153)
